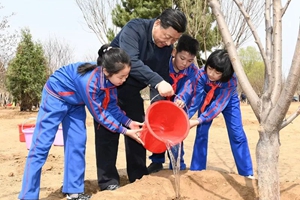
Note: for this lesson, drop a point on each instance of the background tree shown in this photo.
(26, 73)
(237, 24)
(271, 108)
(201, 25)
(130, 9)
(8, 41)
(254, 68)
(57, 53)
(97, 15)
(105, 17)
(200, 19)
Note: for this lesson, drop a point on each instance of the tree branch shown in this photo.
(253, 30)
(285, 7)
(290, 118)
(269, 33)
(291, 85)
(237, 24)
(96, 15)
(277, 51)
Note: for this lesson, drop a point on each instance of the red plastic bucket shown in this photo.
(24, 126)
(165, 123)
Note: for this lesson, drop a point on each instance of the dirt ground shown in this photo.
(219, 181)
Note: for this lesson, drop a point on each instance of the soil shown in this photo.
(219, 181)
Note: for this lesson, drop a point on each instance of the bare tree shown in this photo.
(8, 44)
(58, 53)
(201, 26)
(8, 40)
(271, 108)
(97, 16)
(90, 57)
(235, 21)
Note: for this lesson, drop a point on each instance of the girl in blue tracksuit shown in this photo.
(182, 72)
(65, 95)
(218, 82)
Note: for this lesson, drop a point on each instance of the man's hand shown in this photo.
(165, 89)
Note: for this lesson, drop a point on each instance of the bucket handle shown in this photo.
(27, 120)
(187, 110)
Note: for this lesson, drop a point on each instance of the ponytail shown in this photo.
(84, 68)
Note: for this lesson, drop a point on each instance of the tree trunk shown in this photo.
(26, 104)
(267, 154)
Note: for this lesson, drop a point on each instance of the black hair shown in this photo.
(173, 18)
(113, 59)
(220, 61)
(189, 44)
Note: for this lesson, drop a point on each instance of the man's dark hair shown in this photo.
(173, 18)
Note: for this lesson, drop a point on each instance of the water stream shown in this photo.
(174, 153)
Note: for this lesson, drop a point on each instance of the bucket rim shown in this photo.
(27, 120)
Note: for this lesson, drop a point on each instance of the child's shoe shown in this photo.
(250, 177)
(80, 196)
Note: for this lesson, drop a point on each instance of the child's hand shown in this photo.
(194, 122)
(134, 134)
(135, 125)
(179, 103)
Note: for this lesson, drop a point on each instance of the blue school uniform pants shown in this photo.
(237, 138)
(52, 112)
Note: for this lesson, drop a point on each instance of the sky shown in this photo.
(46, 19)
(290, 29)
(63, 19)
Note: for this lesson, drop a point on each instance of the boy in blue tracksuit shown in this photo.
(65, 95)
(216, 92)
(182, 74)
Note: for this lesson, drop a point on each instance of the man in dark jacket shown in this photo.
(149, 43)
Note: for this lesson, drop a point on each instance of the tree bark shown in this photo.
(267, 154)
(26, 104)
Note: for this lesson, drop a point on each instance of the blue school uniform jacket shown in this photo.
(89, 89)
(222, 95)
(149, 64)
(185, 89)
